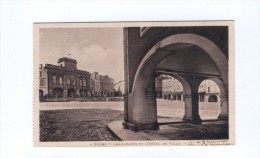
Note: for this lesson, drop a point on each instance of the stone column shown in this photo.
(77, 87)
(143, 112)
(151, 105)
(192, 100)
(188, 108)
(223, 108)
(195, 108)
(65, 94)
(77, 92)
(192, 108)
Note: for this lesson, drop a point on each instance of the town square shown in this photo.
(148, 83)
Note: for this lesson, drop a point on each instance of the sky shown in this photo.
(95, 49)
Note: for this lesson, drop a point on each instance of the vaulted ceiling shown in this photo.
(189, 59)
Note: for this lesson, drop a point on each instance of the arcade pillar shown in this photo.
(143, 114)
(192, 108)
(224, 108)
(192, 100)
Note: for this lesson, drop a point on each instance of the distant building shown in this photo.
(95, 77)
(106, 86)
(168, 87)
(65, 80)
(92, 87)
(43, 84)
(209, 91)
(171, 88)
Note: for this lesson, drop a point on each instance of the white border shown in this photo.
(16, 69)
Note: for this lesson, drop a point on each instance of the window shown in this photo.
(68, 81)
(41, 82)
(54, 79)
(41, 74)
(208, 89)
(80, 82)
(84, 82)
(213, 98)
(60, 80)
(73, 82)
(202, 98)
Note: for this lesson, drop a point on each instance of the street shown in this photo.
(87, 121)
(165, 108)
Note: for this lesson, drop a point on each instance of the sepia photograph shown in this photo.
(134, 84)
(129, 79)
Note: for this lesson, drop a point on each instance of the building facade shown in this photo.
(65, 80)
(106, 86)
(171, 88)
(168, 87)
(95, 79)
(43, 84)
(209, 91)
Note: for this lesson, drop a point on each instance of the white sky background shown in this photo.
(95, 49)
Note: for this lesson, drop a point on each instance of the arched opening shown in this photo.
(71, 92)
(172, 45)
(209, 106)
(83, 93)
(213, 98)
(40, 93)
(189, 56)
(170, 107)
(57, 92)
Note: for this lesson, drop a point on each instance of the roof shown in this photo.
(50, 66)
(66, 59)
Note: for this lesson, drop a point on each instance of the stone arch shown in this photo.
(57, 92)
(207, 45)
(187, 92)
(138, 101)
(223, 98)
(220, 85)
(182, 80)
